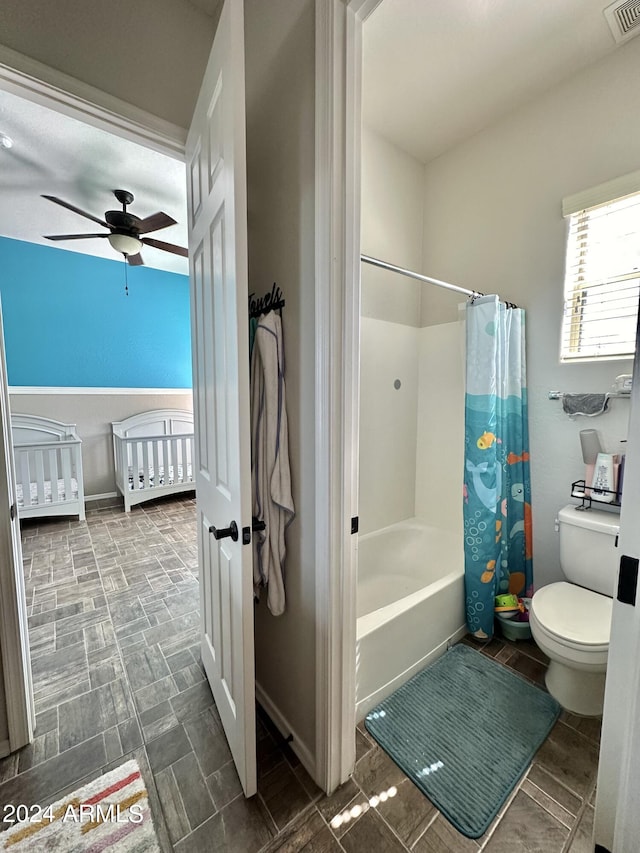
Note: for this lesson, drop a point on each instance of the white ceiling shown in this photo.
(59, 156)
(435, 72)
(438, 71)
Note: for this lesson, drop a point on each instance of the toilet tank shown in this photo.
(589, 555)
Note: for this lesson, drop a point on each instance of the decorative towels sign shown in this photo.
(588, 405)
(270, 472)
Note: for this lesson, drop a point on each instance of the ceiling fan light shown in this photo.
(125, 244)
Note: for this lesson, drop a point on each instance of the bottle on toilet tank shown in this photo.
(603, 486)
(591, 447)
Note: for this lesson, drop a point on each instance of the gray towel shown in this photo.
(589, 405)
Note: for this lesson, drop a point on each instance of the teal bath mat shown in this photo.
(464, 730)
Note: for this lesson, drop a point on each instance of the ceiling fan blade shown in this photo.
(76, 210)
(71, 236)
(135, 260)
(154, 223)
(166, 247)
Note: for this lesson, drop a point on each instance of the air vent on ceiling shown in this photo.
(624, 19)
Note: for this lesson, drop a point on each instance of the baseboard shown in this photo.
(102, 497)
(364, 705)
(4, 748)
(286, 730)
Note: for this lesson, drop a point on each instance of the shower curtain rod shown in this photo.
(386, 266)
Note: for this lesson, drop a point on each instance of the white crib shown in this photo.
(48, 466)
(154, 455)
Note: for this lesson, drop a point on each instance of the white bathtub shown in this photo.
(410, 605)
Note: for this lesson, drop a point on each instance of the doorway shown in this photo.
(124, 699)
(455, 247)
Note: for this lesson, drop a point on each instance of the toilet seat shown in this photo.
(574, 617)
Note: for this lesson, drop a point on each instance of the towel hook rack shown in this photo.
(271, 301)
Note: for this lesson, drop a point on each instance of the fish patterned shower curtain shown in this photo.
(497, 488)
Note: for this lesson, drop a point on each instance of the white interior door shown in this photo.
(14, 638)
(617, 817)
(217, 211)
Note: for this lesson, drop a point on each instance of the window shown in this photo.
(602, 278)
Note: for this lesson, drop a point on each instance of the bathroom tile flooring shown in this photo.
(113, 625)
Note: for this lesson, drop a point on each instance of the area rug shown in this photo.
(111, 813)
(464, 730)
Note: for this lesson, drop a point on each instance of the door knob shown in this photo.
(226, 532)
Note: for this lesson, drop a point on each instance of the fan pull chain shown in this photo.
(126, 283)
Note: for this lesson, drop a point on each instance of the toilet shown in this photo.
(571, 620)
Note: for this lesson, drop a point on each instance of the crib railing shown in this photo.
(148, 466)
(48, 478)
(48, 462)
(155, 457)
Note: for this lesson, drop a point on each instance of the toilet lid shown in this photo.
(574, 613)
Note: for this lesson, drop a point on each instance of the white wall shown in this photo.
(92, 414)
(440, 433)
(411, 438)
(493, 222)
(280, 82)
(392, 227)
(388, 423)
(151, 53)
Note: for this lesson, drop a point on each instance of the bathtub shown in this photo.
(410, 605)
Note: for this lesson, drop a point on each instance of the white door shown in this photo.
(617, 818)
(217, 211)
(14, 639)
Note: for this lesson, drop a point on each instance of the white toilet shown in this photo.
(571, 620)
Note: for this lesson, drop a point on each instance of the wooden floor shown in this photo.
(113, 624)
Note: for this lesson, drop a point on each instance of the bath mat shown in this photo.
(110, 813)
(464, 730)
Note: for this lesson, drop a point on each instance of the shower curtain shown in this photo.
(497, 489)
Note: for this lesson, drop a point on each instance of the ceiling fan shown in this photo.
(125, 229)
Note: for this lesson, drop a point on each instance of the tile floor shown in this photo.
(113, 623)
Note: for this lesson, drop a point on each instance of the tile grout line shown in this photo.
(122, 663)
(548, 796)
(328, 826)
(499, 817)
(581, 812)
(381, 816)
(428, 826)
(143, 746)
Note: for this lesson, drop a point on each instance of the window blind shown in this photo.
(602, 281)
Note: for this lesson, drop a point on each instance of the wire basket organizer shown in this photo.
(588, 495)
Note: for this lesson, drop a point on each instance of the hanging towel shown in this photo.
(589, 405)
(270, 473)
(253, 325)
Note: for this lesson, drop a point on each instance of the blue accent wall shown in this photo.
(68, 322)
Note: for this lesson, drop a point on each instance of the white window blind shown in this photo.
(602, 281)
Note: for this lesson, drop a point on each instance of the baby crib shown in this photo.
(154, 455)
(48, 467)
